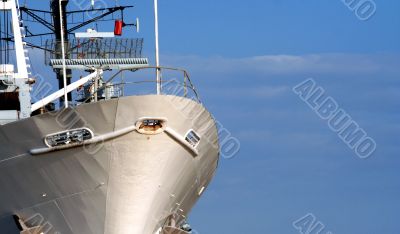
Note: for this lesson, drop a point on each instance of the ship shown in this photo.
(89, 158)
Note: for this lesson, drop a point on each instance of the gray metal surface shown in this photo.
(112, 63)
(131, 184)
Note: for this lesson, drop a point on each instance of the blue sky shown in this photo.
(245, 57)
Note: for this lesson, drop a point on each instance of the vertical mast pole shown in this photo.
(55, 9)
(63, 58)
(157, 48)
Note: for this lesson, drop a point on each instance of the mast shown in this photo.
(63, 57)
(59, 13)
(158, 75)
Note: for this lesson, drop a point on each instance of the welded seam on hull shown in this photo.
(63, 215)
(13, 157)
(55, 200)
(110, 169)
(111, 172)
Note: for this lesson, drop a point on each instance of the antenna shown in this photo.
(158, 77)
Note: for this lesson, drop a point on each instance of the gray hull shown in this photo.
(134, 183)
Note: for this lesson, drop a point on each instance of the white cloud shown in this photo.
(252, 92)
(291, 64)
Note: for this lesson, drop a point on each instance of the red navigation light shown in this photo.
(119, 24)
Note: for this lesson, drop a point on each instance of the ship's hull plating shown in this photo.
(131, 184)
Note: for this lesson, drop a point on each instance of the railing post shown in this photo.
(185, 83)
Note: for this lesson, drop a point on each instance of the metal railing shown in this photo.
(182, 86)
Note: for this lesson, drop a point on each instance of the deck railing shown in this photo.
(170, 85)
